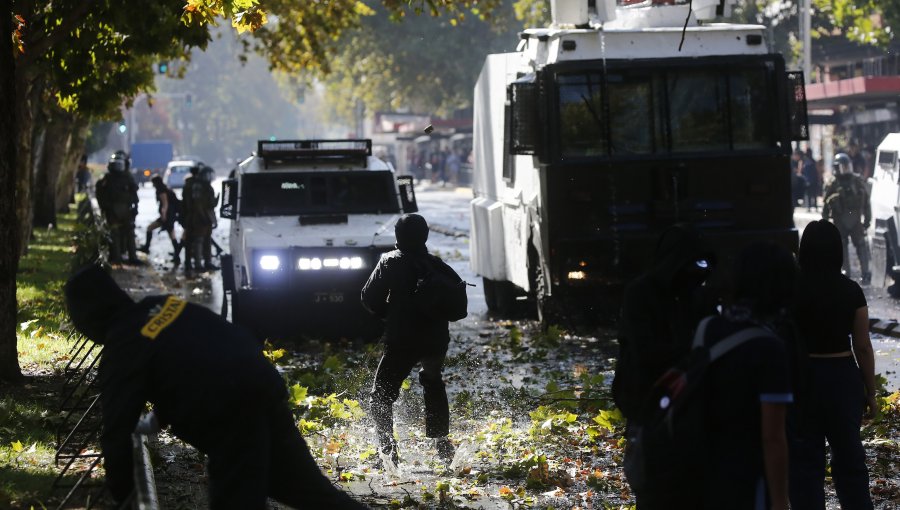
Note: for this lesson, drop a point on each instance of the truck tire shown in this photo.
(499, 296)
(227, 274)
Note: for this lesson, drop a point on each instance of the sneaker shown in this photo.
(209, 266)
(144, 249)
(389, 451)
(866, 278)
(445, 449)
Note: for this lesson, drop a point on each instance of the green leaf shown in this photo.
(332, 363)
(610, 419)
(18, 447)
(298, 394)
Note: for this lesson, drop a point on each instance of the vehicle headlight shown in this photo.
(316, 263)
(269, 262)
(577, 275)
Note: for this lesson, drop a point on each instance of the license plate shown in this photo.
(328, 297)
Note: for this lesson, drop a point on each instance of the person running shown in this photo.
(411, 337)
(169, 208)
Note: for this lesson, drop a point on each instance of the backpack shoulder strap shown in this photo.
(700, 334)
(735, 339)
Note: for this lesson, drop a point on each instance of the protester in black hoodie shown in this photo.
(207, 379)
(411, 337)
(660, 312)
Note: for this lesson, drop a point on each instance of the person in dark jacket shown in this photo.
(118, 200)
(660, 312)
(411, 337)
(198, 219)
(168, 214)
(210, 382)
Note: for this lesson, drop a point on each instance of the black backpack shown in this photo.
(174, 205)
(439, 295)
(672, 433)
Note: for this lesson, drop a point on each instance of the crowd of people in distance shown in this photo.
(117, 198)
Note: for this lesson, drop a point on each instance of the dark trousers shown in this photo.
(263, 455)
(857, 234)
(394, 367)
(122, 243)
(833, 412)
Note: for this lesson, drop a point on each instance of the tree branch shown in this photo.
(41, 45)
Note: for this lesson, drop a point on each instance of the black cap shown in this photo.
(93, 299)
(411, 231)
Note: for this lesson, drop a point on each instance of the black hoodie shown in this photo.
(196, 369)
(659, 314)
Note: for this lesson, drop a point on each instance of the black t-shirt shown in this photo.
(739, 382)
(825, 309)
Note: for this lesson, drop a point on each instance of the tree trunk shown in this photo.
(49, 167)
(65, 189)
(9, 251)
(22, 134)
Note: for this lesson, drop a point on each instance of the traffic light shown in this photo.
(123, 127)
(187, 100)
(163, 67)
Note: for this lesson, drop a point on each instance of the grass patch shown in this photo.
(29, 411)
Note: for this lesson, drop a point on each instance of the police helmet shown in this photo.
(842, 164)
(117, 162)
(207, 173)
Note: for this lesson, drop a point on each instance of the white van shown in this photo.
(886, 213)
(310, 219)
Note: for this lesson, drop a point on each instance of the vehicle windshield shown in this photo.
(180, 169)
(286, 194)
(666, 110)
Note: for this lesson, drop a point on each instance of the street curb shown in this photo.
(889, 328)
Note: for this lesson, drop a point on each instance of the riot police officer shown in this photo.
(847, 206)
(118, 200)
(198, 218)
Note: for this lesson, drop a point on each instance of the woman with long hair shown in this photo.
(838, 378)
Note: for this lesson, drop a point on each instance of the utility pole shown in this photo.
(806, 38)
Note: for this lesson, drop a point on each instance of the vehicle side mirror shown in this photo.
(228, 209)
(407, 194)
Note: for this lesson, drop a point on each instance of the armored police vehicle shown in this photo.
(885, 200)
(614, 123)
(310, 219)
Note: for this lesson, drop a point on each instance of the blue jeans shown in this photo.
(832, 411)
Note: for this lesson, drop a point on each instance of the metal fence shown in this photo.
(78, 432)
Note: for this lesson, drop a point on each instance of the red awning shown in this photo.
(852, 91)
